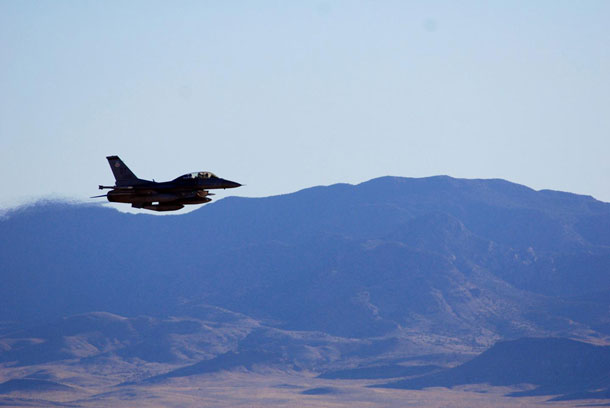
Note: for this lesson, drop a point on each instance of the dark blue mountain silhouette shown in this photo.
(322, 279)
(349, 260)
(556, 366)
(28, 385)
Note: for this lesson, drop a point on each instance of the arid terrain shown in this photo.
(394, 292)
(266, 388)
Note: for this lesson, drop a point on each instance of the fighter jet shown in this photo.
(191, 188)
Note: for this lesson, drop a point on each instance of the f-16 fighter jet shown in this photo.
(191, 188)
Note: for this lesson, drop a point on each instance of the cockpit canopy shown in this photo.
(196, 175)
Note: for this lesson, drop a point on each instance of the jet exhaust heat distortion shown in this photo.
(191, 188)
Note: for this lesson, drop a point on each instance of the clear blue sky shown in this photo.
(282, 95)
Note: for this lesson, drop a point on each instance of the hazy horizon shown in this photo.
(283, 96)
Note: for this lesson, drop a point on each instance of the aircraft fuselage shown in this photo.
(191, 188)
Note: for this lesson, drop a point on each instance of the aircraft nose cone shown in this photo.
(231, 184)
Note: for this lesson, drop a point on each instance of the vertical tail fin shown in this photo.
(122, 174)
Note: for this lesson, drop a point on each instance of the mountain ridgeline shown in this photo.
(365, 275)
(354, 260)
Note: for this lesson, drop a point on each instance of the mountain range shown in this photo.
(395, 272)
